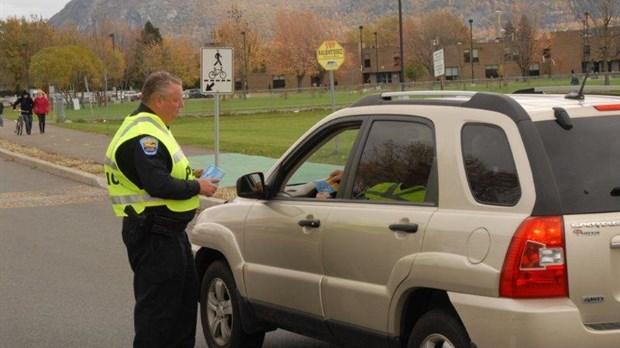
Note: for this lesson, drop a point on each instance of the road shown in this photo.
(64, 276)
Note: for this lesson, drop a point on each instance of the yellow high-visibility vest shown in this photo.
(390, 191)
(124, 192)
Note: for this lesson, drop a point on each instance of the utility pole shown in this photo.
(471, 48)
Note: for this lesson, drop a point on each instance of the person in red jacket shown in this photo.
(41, 109)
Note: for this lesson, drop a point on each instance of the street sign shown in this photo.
(330, 55)
(216, 70)
(438, 62)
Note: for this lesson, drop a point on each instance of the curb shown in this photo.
(80, 176)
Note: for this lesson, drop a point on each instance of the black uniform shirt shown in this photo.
(151, 172)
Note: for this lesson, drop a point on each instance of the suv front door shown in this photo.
(283, 236)
(372, 237)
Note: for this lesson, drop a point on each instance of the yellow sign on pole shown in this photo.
(330, 55)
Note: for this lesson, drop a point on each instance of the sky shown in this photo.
(19, 8)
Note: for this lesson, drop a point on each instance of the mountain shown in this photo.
(198, 18)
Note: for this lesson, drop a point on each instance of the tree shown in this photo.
(68, 68)
(176, 56)
(429, 33)
(599, 16)
(20, 39)
(248, 44)
(148, 37)
(296, 37)
(525, 39)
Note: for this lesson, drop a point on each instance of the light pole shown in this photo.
(471, 48)
(362, 54)
(26, 66)
(402, 58)
(111, 35)
(376, 59)
(245, 68)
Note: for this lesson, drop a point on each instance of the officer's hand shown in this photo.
(207, 186)
(198, 172)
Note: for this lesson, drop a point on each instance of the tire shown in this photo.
(439, 328)
(219, 311)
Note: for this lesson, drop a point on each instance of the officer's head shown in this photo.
(163, 93)
(417, 175)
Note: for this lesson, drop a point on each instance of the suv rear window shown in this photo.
(490, 168)
(585, 162)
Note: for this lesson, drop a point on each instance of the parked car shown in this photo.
(131, 96)
(195, 93)
(510, 236)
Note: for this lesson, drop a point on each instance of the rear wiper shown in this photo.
(615, 192)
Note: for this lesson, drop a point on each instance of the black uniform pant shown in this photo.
(165, 283)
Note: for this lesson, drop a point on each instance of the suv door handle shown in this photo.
(407, 228)
(309, 223)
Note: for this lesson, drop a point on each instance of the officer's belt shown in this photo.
(168, 223)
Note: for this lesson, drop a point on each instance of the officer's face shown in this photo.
(170, 105)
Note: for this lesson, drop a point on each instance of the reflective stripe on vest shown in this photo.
(390, 191)
(122, 191)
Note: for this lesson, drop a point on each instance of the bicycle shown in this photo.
(217, 72)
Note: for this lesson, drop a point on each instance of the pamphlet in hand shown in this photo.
(324, 186)
(212, 172)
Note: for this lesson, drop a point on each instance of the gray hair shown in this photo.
(158, 83)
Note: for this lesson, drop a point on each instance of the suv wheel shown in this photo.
(219, 310)
(438, 328)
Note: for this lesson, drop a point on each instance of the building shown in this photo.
(558, 53)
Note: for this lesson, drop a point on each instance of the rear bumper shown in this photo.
(549, 323)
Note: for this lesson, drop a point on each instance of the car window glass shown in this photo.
(396, 163)
(328, 157)
(489, 165)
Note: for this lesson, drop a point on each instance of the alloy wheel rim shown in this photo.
(436, 341)
(219, 312)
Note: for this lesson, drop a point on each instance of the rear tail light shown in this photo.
(535, 264)
(608, 107)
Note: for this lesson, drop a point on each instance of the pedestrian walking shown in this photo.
(26, 104)
(41, 109)
(155, 190)
(1, 114)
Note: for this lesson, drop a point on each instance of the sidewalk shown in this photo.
(92, 147)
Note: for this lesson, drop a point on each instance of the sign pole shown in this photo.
(216, 130)
(331, 88)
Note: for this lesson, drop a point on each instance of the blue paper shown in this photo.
(213, 172)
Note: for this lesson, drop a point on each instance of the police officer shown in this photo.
(154, 189)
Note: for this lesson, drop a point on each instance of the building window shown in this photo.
(466, 56)
(279, 81)
(534, 69)
(452, 72)
(476, 55)
(396, 59)
(491, 71)
(366, 60)
(507, 54)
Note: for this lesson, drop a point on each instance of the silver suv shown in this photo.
(427, 219)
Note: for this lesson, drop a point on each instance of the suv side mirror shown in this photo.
(252, 186)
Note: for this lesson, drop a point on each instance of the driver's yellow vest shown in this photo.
(124, 192)
(390, 191)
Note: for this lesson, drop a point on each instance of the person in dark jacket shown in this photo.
(26, 104)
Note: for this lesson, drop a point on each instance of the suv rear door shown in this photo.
(586, 165)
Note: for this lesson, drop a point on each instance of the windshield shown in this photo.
(585, 162)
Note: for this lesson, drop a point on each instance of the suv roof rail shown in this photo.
(428, 94)
(567, 89)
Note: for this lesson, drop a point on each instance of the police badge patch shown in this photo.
(149, 145)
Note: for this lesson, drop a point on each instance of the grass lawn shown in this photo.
(254, 126)
(264, 134)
